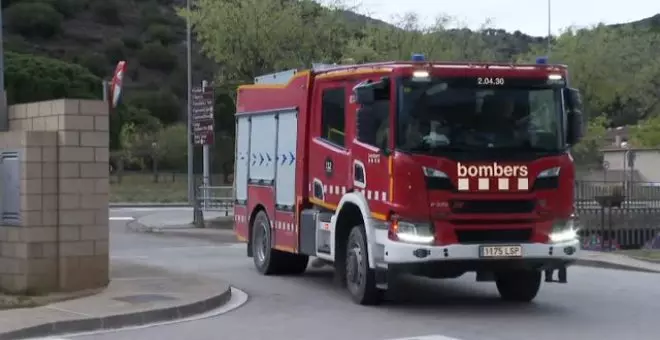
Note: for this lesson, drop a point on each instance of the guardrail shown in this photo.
(215, 198)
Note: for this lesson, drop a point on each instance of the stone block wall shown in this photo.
(60, 242)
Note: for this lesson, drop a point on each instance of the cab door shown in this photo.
(370, 160)
(328, 154)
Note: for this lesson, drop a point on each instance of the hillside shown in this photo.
(147, 33)
(85, 38)
(151, 37)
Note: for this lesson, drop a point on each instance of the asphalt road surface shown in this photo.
(595, 304)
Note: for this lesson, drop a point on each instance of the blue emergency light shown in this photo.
(542, 60)
(417, 57)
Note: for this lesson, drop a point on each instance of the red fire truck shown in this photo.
(413, 167)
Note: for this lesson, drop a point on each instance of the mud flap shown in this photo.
(561, 275)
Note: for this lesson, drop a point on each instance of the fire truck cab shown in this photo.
(426, 168)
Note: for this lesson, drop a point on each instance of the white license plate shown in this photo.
(500, 251)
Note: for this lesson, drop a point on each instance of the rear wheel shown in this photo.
(270, 261)
(360, 279)
(518, 286)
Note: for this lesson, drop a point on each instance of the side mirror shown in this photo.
(574, 115)
(366, 125)
(365, 94)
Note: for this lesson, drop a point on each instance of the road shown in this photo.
(595, 304)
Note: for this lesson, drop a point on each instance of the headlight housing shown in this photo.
(434, 173)
(548, 173)
(564, 230)
(413, 232)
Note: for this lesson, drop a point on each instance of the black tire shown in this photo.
(360, 279)
(267, 260)
(518, 286)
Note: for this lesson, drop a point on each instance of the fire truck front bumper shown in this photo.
(473, 257)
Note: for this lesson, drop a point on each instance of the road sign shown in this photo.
(203, 100)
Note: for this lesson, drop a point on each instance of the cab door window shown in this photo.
(376, 129)
(333, 116)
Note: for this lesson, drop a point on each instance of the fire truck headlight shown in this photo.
(420, 233)
(430, 172)
(552, 172)
(564, 230)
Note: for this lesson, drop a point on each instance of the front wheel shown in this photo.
(360, 279)
(518, 286)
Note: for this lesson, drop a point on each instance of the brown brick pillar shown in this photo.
(59, 241)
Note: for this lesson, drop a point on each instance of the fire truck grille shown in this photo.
(493, 236)
(492, 206)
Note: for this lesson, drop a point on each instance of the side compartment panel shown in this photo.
(262, 150)
(286, 160)
(285, 231)
(241, 221)
(242, 160)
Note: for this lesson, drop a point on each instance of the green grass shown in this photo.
(643, 254)
(140, 187)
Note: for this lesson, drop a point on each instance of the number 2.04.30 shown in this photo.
(490, 81)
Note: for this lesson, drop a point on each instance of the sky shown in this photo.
(528, 16)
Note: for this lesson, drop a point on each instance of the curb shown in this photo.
(120, 320)
(610, 265)
(224, 223)
(150, 205)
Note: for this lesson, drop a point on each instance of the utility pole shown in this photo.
(4, 114)
(191, 177)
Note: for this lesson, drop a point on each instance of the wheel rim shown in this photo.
(355, 267)
(261, 241)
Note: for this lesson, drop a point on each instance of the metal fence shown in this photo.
(215, 198)
(630, 226)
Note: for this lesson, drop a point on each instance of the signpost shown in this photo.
(203, 100)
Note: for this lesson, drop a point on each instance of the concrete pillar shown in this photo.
(58, 238)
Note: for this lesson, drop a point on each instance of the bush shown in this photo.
(95, 62)
(34, 19)
(156, 56)
(107, 11)
(162, 104)
(161, 33)
(32, 78)
(132, 42)
(115, 51)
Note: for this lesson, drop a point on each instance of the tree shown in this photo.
(253, 37)
(174, 146)
(647, 133)
(587, 152)
(34, 19)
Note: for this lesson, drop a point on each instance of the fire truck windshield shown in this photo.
(445, 115)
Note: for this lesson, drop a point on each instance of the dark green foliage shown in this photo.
(107, 11)
(115, 51)
(34, 78)
(156, 56)
(162, 104)
(34, 19)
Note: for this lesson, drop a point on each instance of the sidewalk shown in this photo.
(136, 295)
(616, 261)
(173, 220)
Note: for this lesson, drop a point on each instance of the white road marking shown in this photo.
(152, 209)
(427, 337)
(121, 218)
(238, 298)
